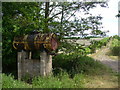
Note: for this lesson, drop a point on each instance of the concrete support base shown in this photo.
(34, 67)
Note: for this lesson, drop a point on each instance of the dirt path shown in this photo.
(106, 79)
(101, 55)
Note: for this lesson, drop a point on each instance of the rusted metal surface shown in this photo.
(36, 42)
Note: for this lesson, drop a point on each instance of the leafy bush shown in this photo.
(10, 82)
(115, 46)
(115, 51)
(74, 64)
(116, 37)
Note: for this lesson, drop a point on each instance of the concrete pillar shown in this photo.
(30, 55)
(49, 65)
(43, 55)
(21, 58)
(45, 63)
(42, 68)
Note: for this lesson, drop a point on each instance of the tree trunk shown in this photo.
(46, 30)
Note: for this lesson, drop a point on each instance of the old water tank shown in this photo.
(36, 42)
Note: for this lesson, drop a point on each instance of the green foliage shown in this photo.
(67, 47)
(87, 50)
(60, 81)
(20, 18)
(104, 41)
(98, 44)
(74, 64)
(115, 46)
(116, 37)
(10, 82)
(115, 51)
(99, 32)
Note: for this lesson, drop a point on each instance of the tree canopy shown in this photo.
(20, 18)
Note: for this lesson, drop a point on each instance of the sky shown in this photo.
(110, 22)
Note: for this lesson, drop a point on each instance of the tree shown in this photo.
(60, 20)
(18, 19)
(21, 18)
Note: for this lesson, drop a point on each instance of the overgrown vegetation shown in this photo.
(71, 48)
(60, 81)
(98, 44)
(69, 71)
(10, 82)
(72, 65)
(115, 46)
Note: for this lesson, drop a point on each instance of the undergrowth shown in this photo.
(115, 47)
(69, 71)
(71, 74)
(8, 81)
(75, 63)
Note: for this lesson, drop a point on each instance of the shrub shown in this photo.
(115, 46)
(115, 51)
(75, 64)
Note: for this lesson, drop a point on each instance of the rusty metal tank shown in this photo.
(36, 42)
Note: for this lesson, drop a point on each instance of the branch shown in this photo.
(52, 10)
(55, 15)
(71, 15)
(65, 9)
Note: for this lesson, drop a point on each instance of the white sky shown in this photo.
(110, 22)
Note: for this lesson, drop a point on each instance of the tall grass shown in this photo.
(60, 81)
(10, 82)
